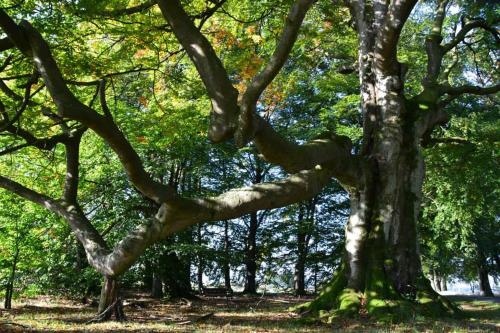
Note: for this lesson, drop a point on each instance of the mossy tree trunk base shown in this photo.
(379, 301)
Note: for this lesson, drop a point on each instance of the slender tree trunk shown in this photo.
(251, 245)
(156, 285)
(110, 302)
(433, 279)
(299, 277)
(439, 283)
(299, 274)
(484, 282)
(199, 273)
(9, 290)
(444, 285)
(251, 256)
(147, 278)
(226, 268)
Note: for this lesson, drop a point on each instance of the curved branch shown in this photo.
(388, 35)
(330, 150)
(253, 91)
(213, 74)
(433, 45)
(182, 213)
(5, 44)
(94, 244)
(70, 107)
(28, 194)
(468, 89)
(462, 34)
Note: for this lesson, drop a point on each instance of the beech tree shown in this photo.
(383, 174)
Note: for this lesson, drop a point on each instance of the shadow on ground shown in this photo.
(237, 314)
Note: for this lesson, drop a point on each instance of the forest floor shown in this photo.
(238, 314)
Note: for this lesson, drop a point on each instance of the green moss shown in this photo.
(432, 304)
(329, 296)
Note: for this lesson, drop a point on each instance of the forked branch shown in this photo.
(247, 126)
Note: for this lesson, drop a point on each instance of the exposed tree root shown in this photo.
(328, 297)
(116, 307)
(379, 301)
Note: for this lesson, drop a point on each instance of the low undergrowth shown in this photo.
(238, 314)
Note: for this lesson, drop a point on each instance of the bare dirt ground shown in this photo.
(219, 314)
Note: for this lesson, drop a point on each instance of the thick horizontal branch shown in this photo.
(5, 44)
(469, 89)
(332, 151)
(180, 214)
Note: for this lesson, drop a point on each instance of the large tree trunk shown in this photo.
(381, 269)
(484, 282)
(251, 256)
(110, 302)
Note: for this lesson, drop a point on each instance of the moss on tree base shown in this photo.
(380, 301)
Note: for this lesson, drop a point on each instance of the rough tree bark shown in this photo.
(110, 303)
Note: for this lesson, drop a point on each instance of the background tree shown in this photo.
(461, 216)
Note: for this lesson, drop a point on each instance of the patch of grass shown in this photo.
(239, 314)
